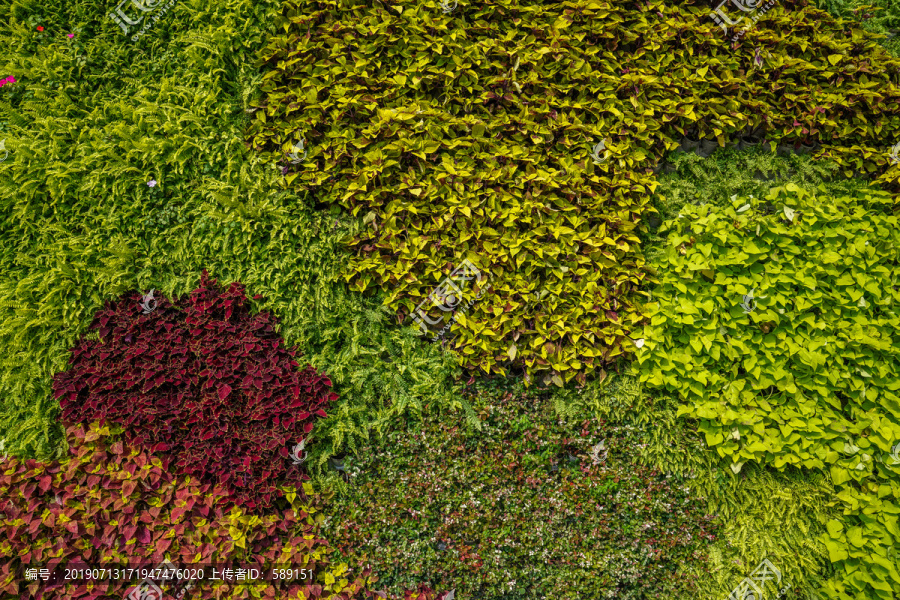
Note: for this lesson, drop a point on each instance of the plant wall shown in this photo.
(476, 134)
(111, 503)
(530, 507)
(202, 379)
(155, 186)
(775, 324)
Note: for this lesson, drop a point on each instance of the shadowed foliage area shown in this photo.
(528, 508)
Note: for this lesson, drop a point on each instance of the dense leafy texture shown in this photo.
(110, 503)
(91, 119)
(471, 134)
(775, 323)
(876, 16)
(203, 379)
(521, 510)
(80, 226)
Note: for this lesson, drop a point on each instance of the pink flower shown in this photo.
(70, 35)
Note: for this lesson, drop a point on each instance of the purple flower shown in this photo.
(152, 183)
(70, 35)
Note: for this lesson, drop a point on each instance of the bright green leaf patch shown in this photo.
(793, 345)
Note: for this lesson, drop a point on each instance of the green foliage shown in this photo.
(804, 372)
(469, 135)
(79, 224)
(519, 510)
(727, 173)
(92, 119)
(778, 515)
(880, 17)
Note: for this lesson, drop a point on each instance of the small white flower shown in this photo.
(639, 343)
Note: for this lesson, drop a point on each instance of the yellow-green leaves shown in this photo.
(808, 375)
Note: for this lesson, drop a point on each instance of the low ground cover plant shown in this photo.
(108, 502)
(203, 379)
(529, 508)
(775, 324)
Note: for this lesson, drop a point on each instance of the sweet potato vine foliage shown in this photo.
(202, 379)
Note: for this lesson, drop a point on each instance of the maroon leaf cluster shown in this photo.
(203, 379)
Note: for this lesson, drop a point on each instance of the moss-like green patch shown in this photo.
(530, 507)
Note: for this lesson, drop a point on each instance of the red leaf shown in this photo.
(143, 535)
(151, 376)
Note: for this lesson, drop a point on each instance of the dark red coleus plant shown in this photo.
(202, 379)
